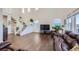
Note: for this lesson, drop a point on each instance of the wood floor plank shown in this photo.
(32, 42)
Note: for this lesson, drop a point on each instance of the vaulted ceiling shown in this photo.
(50, 12)
(47, 15)
(42, 14)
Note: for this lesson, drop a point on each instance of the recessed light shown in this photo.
(22, 10)
(28, 9)
(36, 9)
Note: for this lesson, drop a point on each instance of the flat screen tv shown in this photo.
(45, 27)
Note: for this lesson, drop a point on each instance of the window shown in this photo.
(77, 23)
(69, 24)
(72, 23)
(66, 24)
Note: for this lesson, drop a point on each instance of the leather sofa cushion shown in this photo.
(4, 44)
(57, 44)
(73, 43)
(70, 41)
(67, 38)
(72, 35)
(77, 37)
(75, 48)
(64, 46)
(67, 32)
(60, 45)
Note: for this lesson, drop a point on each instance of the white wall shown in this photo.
(12, 12)
(36, 27)
(46, 15)
(9, 25)
(1, 26)
(43, 15)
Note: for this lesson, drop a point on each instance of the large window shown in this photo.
(77, 23)
(72, 23)
(66, 24)
(69, 24)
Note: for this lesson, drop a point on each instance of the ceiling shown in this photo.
(42, 14)
(50, 12)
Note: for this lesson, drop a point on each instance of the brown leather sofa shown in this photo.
(5, 46)
(70, 41)
(59, 44)
(63, 42)
(74, 36)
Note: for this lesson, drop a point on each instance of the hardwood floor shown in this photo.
(32, 42)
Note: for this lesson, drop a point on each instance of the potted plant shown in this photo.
(57, 27)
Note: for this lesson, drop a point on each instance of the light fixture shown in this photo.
(36, 9)
(23, 10)
(28, 10)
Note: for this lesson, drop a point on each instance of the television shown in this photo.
(44, 27)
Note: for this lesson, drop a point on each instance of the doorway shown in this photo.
(5, 28)
(13, 25)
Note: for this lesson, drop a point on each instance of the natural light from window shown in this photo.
(77, 23)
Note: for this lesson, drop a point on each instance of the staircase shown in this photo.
(26, 30)
(20, 28)
(23, 28)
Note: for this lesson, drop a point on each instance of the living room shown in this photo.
(33, 29)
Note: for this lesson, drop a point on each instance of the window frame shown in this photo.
(67, 23)
(73, 21)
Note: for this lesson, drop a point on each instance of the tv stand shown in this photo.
(45, 32)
